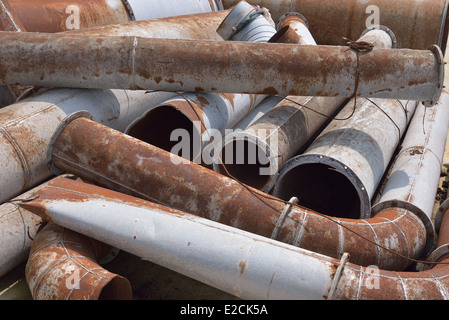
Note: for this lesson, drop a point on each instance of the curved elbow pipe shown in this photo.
(63, 265)
(18, 228)
(240, 263)
(102, 155)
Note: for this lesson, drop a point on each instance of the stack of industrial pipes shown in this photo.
(343, 102)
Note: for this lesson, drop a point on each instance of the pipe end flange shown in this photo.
(394, 41)
(436, 50)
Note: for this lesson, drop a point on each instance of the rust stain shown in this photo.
(242, 266)
(72, 253)
(50, 16)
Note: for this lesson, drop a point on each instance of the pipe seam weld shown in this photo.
(21, 157)
(337, 275)
(284, 214)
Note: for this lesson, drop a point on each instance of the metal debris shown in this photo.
(93, 93)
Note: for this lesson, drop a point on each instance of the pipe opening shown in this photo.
(157, 127)
(118, 288)
(245, 160)
(321, 188)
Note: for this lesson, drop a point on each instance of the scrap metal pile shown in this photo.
(270, 149)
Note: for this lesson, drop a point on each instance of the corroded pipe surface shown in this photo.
(417, 24)
(199, 26)
(122, 163)
(61, 15)
(193, 66)
(18, 228)
(250, 266)
(63, 265)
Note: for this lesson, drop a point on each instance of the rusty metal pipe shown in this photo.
(417, 24)
(348, 159)
(117, 161)
(200, 26)
(63, 15)
(263, 68)
(34, 119)
(240, 263)
(18, 228)
(26, 128)
(285, 129)
(7, 96)
(203, 117)
(65, 265)
(234, 261)
(340, 171)
(413, 180)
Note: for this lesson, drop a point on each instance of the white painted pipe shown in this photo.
(284, 130)
(413, 180)
(146, 10)
(199, 116)
(237, 262)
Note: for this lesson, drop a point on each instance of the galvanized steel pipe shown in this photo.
(146, 10)
(204, 117)
(417, 24)
(117, 161)
(62, 15)
(18, 228)
(413, 180)
(240, 263)
(339, 173)
(192, 66)
(38, 116)
(200, 26)
(284, 130)
(27, 127)
(65, 265)
(201, 116)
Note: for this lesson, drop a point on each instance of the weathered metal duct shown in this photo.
(58, 16)
(200, 26)
(200, 116)
(116, 108)
(62, 15)
(7, 96)
(417, 24)
(240, 263)
(413, 180)
(117, 161)
(65, 265)
(203, 117)
(284, 130)
(247, 23)
(340, 171)
(18, 228)
(26, 128)
(145, 10)
(192, 66)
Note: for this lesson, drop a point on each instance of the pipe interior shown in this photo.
(246, 159)
(117, 289)
(158, 125)
(320, 188)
